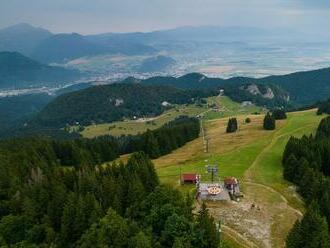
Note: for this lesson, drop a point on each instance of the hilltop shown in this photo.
(22, 38)
(113, 102)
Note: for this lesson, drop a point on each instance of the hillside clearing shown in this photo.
(253, 156)
(216, 107)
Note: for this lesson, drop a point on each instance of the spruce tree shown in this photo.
(207, 233)
(232, 125)
(311, 232)
(279, 114)
(269, 122)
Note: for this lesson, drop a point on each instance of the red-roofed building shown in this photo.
(189, 178)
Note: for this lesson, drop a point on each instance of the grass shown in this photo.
(134, 127)
(221, 107)
(228, 107)
(254, 156)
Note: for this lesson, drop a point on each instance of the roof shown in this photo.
(189, 177)
(231, 180)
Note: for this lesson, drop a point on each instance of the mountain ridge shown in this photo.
(17, 71)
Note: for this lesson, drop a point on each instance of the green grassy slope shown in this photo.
(254, 156)
(218, 107)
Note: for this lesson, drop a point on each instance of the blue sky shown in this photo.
(96, 16)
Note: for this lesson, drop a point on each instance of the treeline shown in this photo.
(324, 107)
(80, 152)
(108, 103)
(306, 163)
(163, 140)
(114, 206)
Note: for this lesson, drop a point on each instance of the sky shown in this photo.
(99, 16)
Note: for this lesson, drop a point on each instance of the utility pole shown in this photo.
(180, 175)
(213, 169)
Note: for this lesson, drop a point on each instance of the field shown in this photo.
(217, 107)
(270, 205)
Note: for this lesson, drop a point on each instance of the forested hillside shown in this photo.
(304, 88)
(238, 89)
(45, 203)
(306, 163)
(13, 110)
(323, 107)
(113, 102)
(18, 71)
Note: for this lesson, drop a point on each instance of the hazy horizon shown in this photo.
(101, 16)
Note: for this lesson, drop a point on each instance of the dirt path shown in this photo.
(259, 226)
(238, 238)
(298, 212)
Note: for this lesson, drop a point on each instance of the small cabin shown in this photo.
(189, 178)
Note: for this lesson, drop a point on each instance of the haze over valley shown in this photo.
(210, 50)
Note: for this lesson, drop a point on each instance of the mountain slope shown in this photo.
(17, 70)
(61, 47)
(238, 89)
(113, 102)
(22, 38)
(304, 88)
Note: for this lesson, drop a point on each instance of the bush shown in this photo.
(248, 120)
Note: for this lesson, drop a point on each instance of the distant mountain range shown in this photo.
(42, 45)
(19, 71)
(46, 47)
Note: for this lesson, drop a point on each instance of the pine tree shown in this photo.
(151, 146)
(311, 232)
(269, 122)
(140, 240)
(279, 114)
(232, 125)
(207, 233)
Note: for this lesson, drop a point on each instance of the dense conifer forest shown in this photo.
(56, 194)
(306, 163)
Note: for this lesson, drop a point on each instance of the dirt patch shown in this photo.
(262, 216)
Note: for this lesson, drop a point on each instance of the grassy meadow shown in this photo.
(217, 107)
(253, 155)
